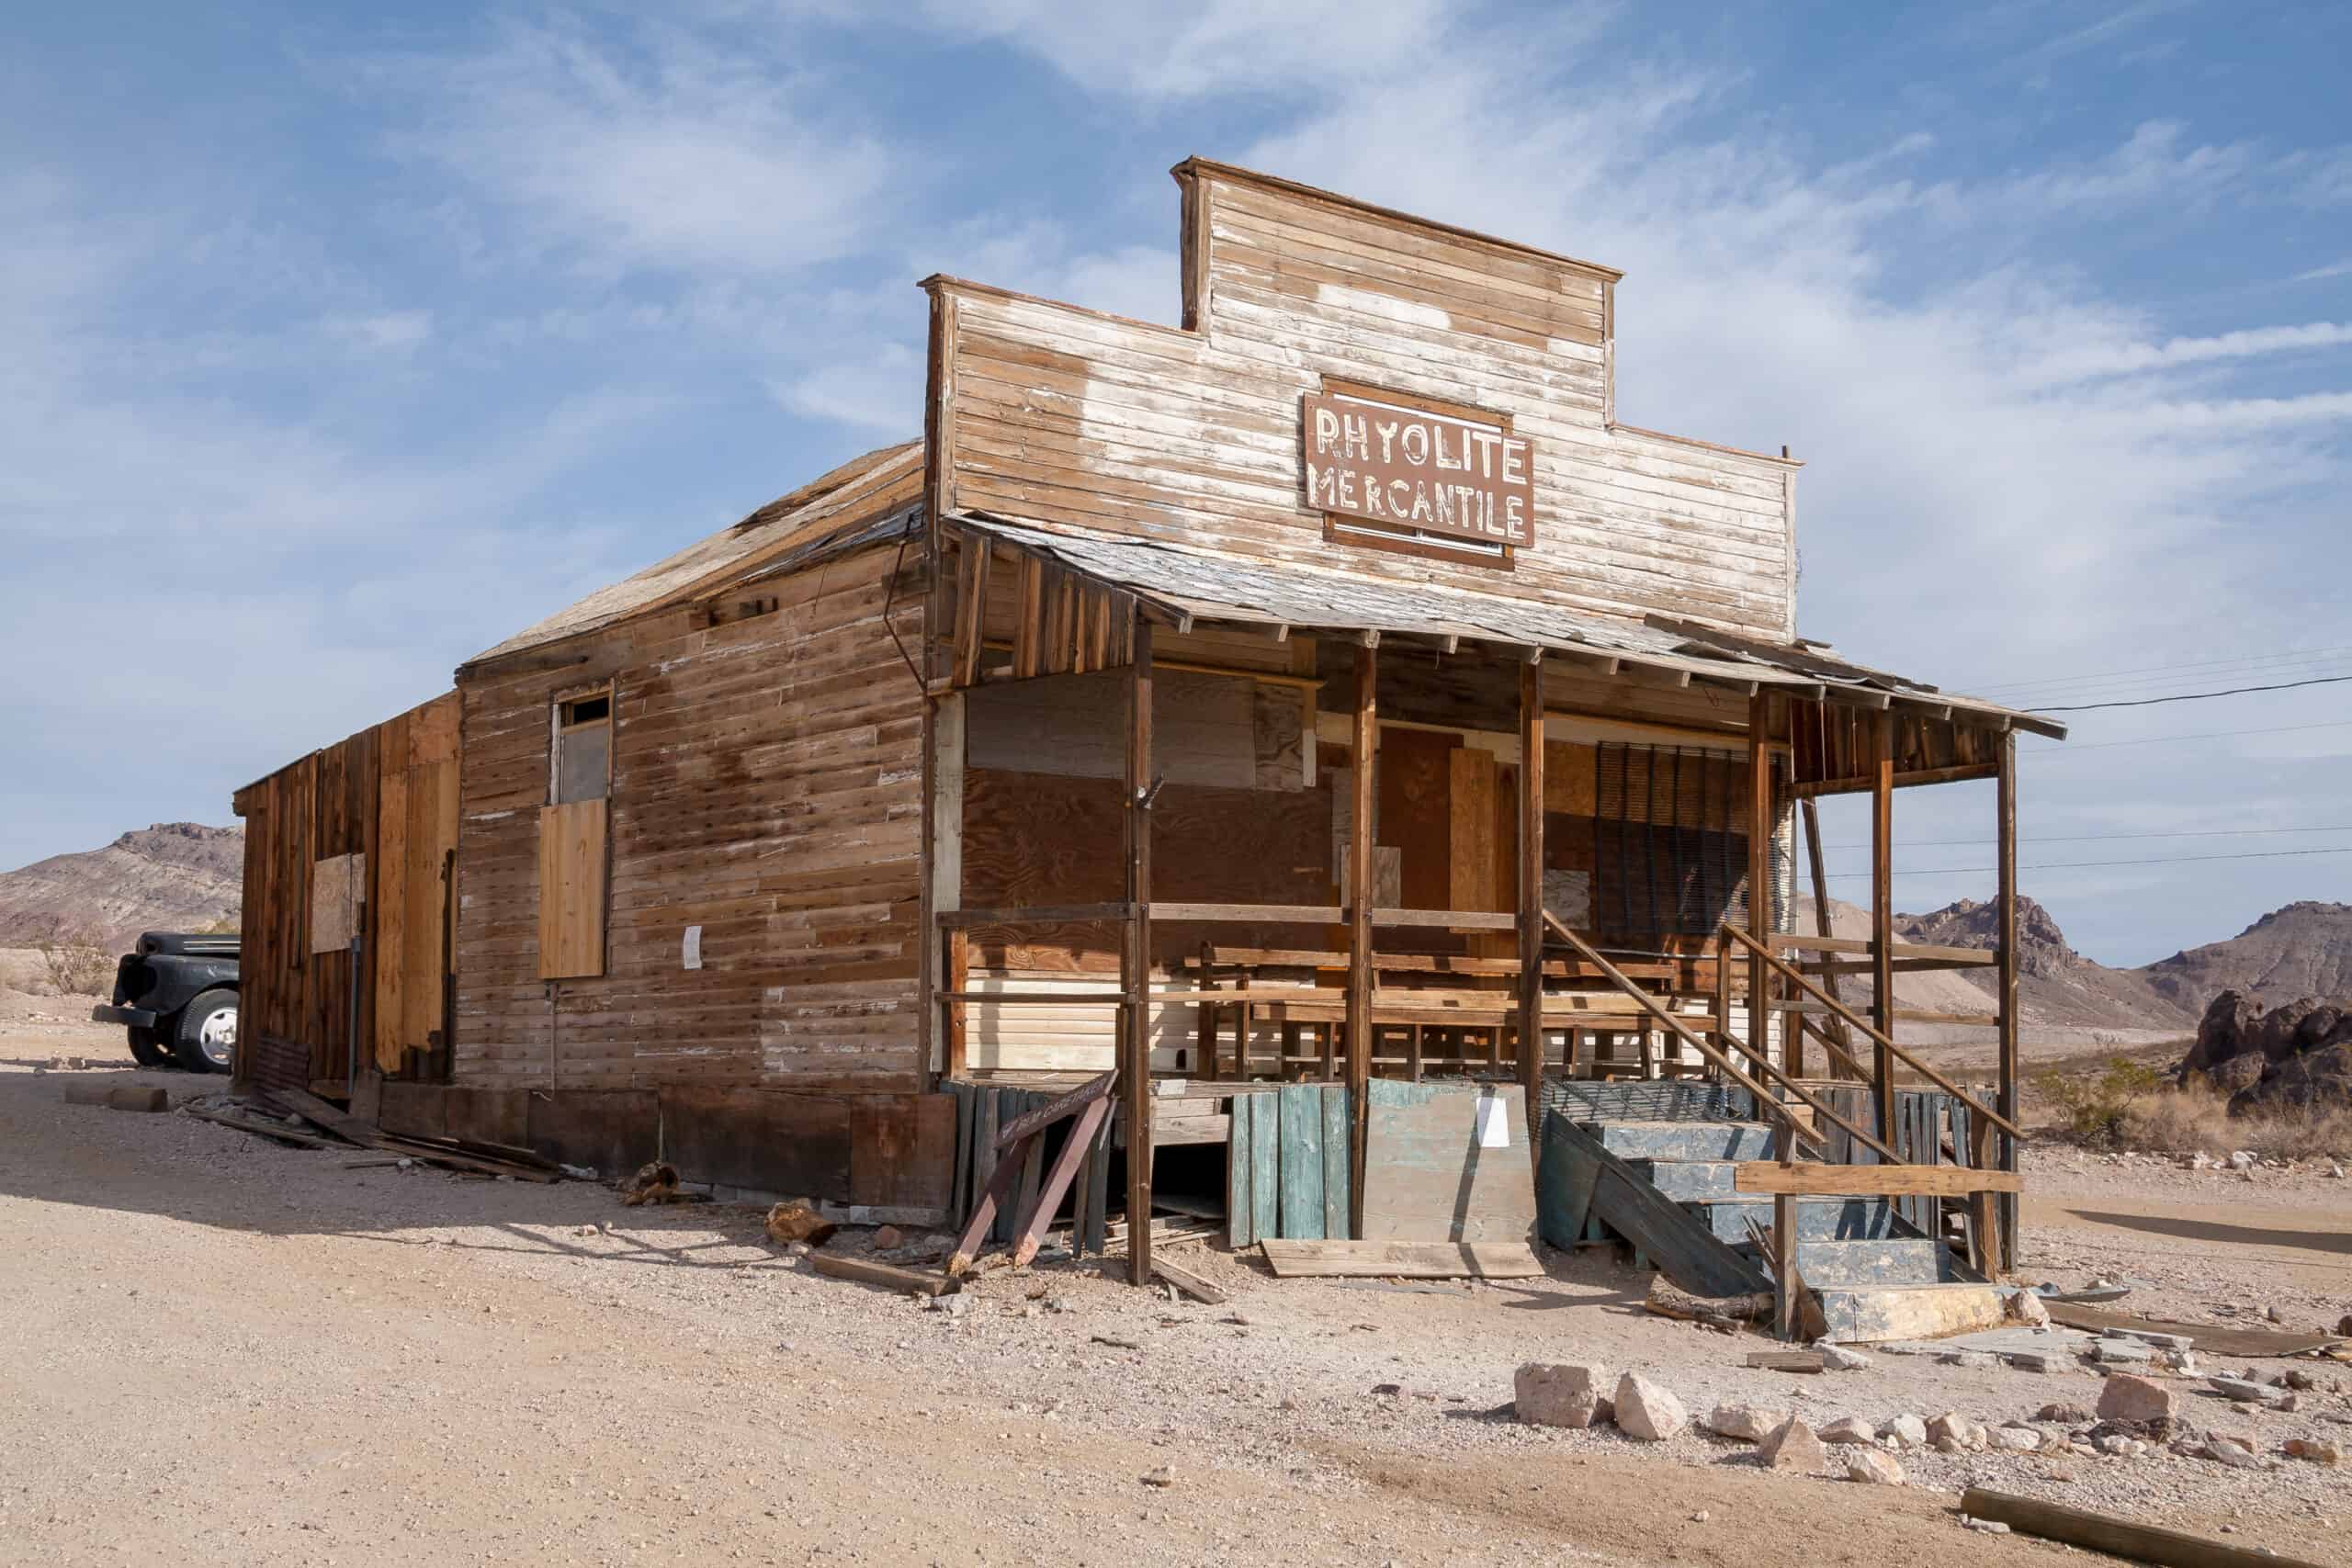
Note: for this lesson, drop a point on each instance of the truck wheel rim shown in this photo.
(218, 1035)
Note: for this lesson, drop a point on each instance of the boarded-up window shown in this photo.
(584, 748)
(571, 890)
(1670, 843)
(338, 888)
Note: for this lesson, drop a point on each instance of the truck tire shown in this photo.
(147, 1047)
(206, 1038)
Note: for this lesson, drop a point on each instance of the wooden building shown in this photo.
(1325, 689)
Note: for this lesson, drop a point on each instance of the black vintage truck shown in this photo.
(176, 993)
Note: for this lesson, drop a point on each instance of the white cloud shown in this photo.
(681, 157)
(881, 393)
(396, 332)
(2087, 361)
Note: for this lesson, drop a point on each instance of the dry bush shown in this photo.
(2120, 1109)
(75, 961)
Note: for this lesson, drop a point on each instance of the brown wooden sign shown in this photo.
(1410, 469)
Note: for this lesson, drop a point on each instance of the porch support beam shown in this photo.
(1882, 919)
(1360, 897)
(1135, 962)
(2005, 858)
(1530, 888)
(1760, 887)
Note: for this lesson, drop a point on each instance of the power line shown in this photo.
(2070, 749)
(2291, 654)
(2197, 696)
(2077, 865)
(2091, 838)
(2144, 686)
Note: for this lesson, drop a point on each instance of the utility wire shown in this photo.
(2068, 748)
(2197, 696)
(2090, 838)
(2285, 654)
(2074, 864)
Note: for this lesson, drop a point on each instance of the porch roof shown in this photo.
(1188, 585)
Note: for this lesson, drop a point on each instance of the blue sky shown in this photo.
(337, 342)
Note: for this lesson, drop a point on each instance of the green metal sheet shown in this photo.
(1337, 1188)
(1302, 1162)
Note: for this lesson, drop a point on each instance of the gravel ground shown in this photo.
(226, 1349)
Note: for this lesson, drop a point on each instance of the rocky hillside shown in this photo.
(2303, 950)
(172, 876)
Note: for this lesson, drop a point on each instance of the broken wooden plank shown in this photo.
(1192, 1284)
(1788, 1361)
(277, 1131)
(1402, 1259)
(867, 1272)
(118, 1097)
(1680, 1244)
(2118, 1538)
(320, 1114)
(2219, 1339)
(1807, 1180)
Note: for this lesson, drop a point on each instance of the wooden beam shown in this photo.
(1366, 738)
(1031, 915)
(1811, 1179)
(1821, 910)
(2114, 1537)
(1917, 776)
(887, 1275)
(1530, 890)
(1134, 960)
(1883, 918)
(1402, 1259)
(1759, 879)
(2005, 975)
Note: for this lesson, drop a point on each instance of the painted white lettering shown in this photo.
(1359, 442)
(1421, 512)
(1346, 490)
(1446, 504)
(1401, 500)
(1514, 460)
(1387, 436)
(1514, 522)
(1370, 497)
(1485, 440)
(1322, 485)
(1417, 452)
(1326, 430)
(1461, 462)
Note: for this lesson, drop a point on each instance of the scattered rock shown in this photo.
(1874, 1469)
(1837, 1359)
(1792, 1446)
(2242, 1160)
(1954, 1432)
(2233, 1453)
(2314, 1450)
(1908, 1431)
(2119, 1446)
(2017, 1440)
(1647, 1411)
(1747, 1423)
(2026, 1308)
(2273, 1313)
(1559, 1395)
(2244, 1390)
(2063, 1415)
(1975, 1361)
(1162, 1477)
(2036, 1361)
(955, 1304)
(796, 1221)
(1990, 1527)
(2295, 1377)
(889, 1238)
(2128, 1398)
(2123, 1352)
(1849, 1430)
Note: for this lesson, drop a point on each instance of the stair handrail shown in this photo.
(1617, 977)
(1975, 1106)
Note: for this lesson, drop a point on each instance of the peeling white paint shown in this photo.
(1385, 305)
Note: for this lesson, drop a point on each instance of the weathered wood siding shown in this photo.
(766, 786)
(1068, 416)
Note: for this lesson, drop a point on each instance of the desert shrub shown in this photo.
(230, 924)
(75, 961)
(2094, 1107)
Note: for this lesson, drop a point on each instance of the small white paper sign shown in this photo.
(1494, 1124)
(692, 957)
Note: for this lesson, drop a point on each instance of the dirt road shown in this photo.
(217, 1350)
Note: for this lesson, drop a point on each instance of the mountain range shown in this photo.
(172, 876)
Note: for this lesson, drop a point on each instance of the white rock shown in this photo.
(1748, 1423)
(1559, 1395)
(1907, 1432)
(2026, 1308)
(1990, 1527)
(2016, 1440)
(2230, 1452)
(1793, 1446)
(1873, 1467)
(1837, 1359)
(1849, 1430)
(1647, 1411)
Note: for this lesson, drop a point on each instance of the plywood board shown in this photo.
(1437, 1167)
(571, 890)
(338, 885)
(1404, 1261)
(1470, 816)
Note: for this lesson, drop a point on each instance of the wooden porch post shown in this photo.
(1531, 889)
(1883, 922)
(2005, 858)
(1833, 1026)
(1360, 895)
(1135, 962)
(1759, 878)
